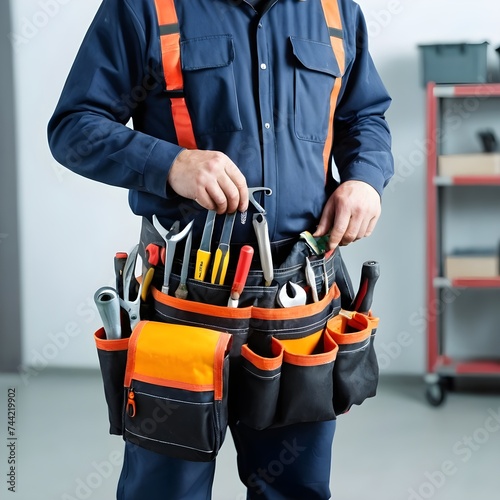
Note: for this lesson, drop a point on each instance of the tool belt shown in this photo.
(191, 366)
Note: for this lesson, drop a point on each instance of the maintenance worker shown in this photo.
(269, 92)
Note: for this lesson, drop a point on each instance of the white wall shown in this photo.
(71, 227)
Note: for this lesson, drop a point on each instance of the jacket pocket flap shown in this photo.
(316, 56)
(207, 52)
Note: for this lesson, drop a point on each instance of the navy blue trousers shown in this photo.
(288, 463)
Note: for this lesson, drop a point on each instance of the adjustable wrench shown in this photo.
(262, 233)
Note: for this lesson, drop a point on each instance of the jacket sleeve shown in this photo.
(362, 140)
(87, 132)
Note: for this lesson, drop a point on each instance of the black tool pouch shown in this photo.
(282, 361)
(176, 386)
(112, 356)
(356, 372)
(287, 365)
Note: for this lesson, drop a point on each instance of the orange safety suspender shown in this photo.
(171, 58)
(171, 52)
(334, 23)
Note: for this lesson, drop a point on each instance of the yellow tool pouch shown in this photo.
(176, 385)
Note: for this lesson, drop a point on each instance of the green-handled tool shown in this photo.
(203, 254)
(222, 254)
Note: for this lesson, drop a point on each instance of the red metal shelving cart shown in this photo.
(442, 367)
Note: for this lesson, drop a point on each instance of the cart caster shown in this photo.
(435, 393)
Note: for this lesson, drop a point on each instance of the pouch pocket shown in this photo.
(259, 386)
(300, 390)
(176, 384)
(307, 383)
(112, 360)
(315, 73)
(356, 372)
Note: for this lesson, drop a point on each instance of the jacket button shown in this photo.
(267, 125)
(263, 66)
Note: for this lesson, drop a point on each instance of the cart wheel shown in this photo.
(435, 393)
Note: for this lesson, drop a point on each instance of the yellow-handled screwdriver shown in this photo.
(203, 254)
(222, 254)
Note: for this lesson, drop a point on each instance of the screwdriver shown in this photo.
(370, 273)
(222, 254)
(203, 254)
(241, 274)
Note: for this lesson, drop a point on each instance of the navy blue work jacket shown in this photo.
(257, 88)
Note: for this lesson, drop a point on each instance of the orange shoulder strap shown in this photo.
(171, 59)
(170, 46)
(334, 23)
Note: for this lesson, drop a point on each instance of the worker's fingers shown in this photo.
(351, 213)
(371, 225)
(326, 220)
(234, 186)
(210, 178)
(341, 222)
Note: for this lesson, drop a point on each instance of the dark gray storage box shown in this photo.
(454, 63)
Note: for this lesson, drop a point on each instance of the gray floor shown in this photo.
(393, 447)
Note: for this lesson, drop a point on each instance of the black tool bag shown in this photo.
(282, 364)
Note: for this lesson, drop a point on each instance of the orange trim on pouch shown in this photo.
(179, 356)
(322, 358)
(222, 348)
(200, 308)
(262, 363)
(305, 345)
(105, 344)
(362, 324)
(296, 312)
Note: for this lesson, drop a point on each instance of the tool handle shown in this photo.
(220, 265)
(370, 273)
(107, 302)
(266, 258)
(242, 268)
(202, 262)
(120, 259)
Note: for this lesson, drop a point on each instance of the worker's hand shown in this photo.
(210, 178)
(350, 213)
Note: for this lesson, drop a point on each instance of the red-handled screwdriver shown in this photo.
(240, 277)
(370, 273)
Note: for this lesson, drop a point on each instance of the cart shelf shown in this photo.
(476, 180)
(441, 369)
(441, 282)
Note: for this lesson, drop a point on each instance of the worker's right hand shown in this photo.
(211, 179)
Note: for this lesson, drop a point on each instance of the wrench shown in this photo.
(171, 238)
(262, 233)
(298, 298)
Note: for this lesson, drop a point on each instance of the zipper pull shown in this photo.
(131, 403)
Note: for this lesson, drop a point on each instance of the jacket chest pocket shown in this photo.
(209, 84)
(315, 72)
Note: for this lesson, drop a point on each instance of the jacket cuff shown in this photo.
(365, 172)
(157, 167)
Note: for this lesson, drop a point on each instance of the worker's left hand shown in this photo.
(350, 213)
